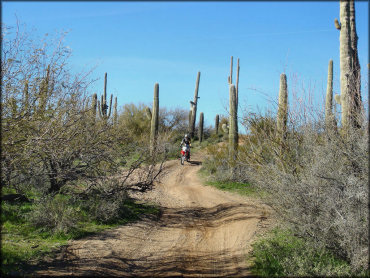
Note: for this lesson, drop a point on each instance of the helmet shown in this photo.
(186, 136)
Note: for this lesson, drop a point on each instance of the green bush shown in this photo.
(283, 254)
(56, 214)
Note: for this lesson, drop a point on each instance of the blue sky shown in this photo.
(141, 43)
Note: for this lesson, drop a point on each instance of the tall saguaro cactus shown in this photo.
(194, 105)
(154, 119)
(237, 83)
(356, 62)
(94, 106)
(282, 115)
(230, 77)
(104, 113)
(329, 116)
(233, 125)
(115, 115)
(190, 120)
(201, 123)
(350, 80)
(217, 123)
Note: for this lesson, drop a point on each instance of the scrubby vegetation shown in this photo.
(314, 171)
(316, 180)
(68, 167)
(68, 160)
(283, 254)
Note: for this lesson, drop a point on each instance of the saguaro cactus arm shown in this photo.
(105, 87)
(217, 123)
(230, 77)
(148, 113)
(237, 83)
(110, 106)
(337, 24)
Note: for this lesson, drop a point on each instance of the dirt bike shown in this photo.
(185, 154)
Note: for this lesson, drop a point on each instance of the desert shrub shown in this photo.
(280, 253)
(105, 208)
(56, 214)
(216, 162)
(318, 180)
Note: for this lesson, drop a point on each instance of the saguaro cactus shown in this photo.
(329, 116)
(233, 125)
(148, 113)
(190, 121)
(94, 106)
(193, 106)
(217, 123)
(282, 115)
(104, 113)
(356, 63)
(201, 123)
(349, 66)
(115, 115)
(230, 77)
(154, 119)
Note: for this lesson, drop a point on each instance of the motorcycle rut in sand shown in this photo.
(201, 232)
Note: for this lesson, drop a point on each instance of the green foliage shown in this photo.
(237, 187)
(55, 152)
(22, 241)
(133, 122)
(283, 254)
(56, 214)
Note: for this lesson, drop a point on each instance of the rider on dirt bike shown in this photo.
(186, 141)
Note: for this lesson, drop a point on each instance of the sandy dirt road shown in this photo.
(202, 232)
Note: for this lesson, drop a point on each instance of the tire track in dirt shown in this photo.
(202, 232)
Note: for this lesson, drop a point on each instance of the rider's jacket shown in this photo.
(185, 141)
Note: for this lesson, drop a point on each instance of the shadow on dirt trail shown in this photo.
(201, 232)
(195, 162)
(187, 254)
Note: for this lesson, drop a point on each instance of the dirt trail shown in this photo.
(202, 232)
